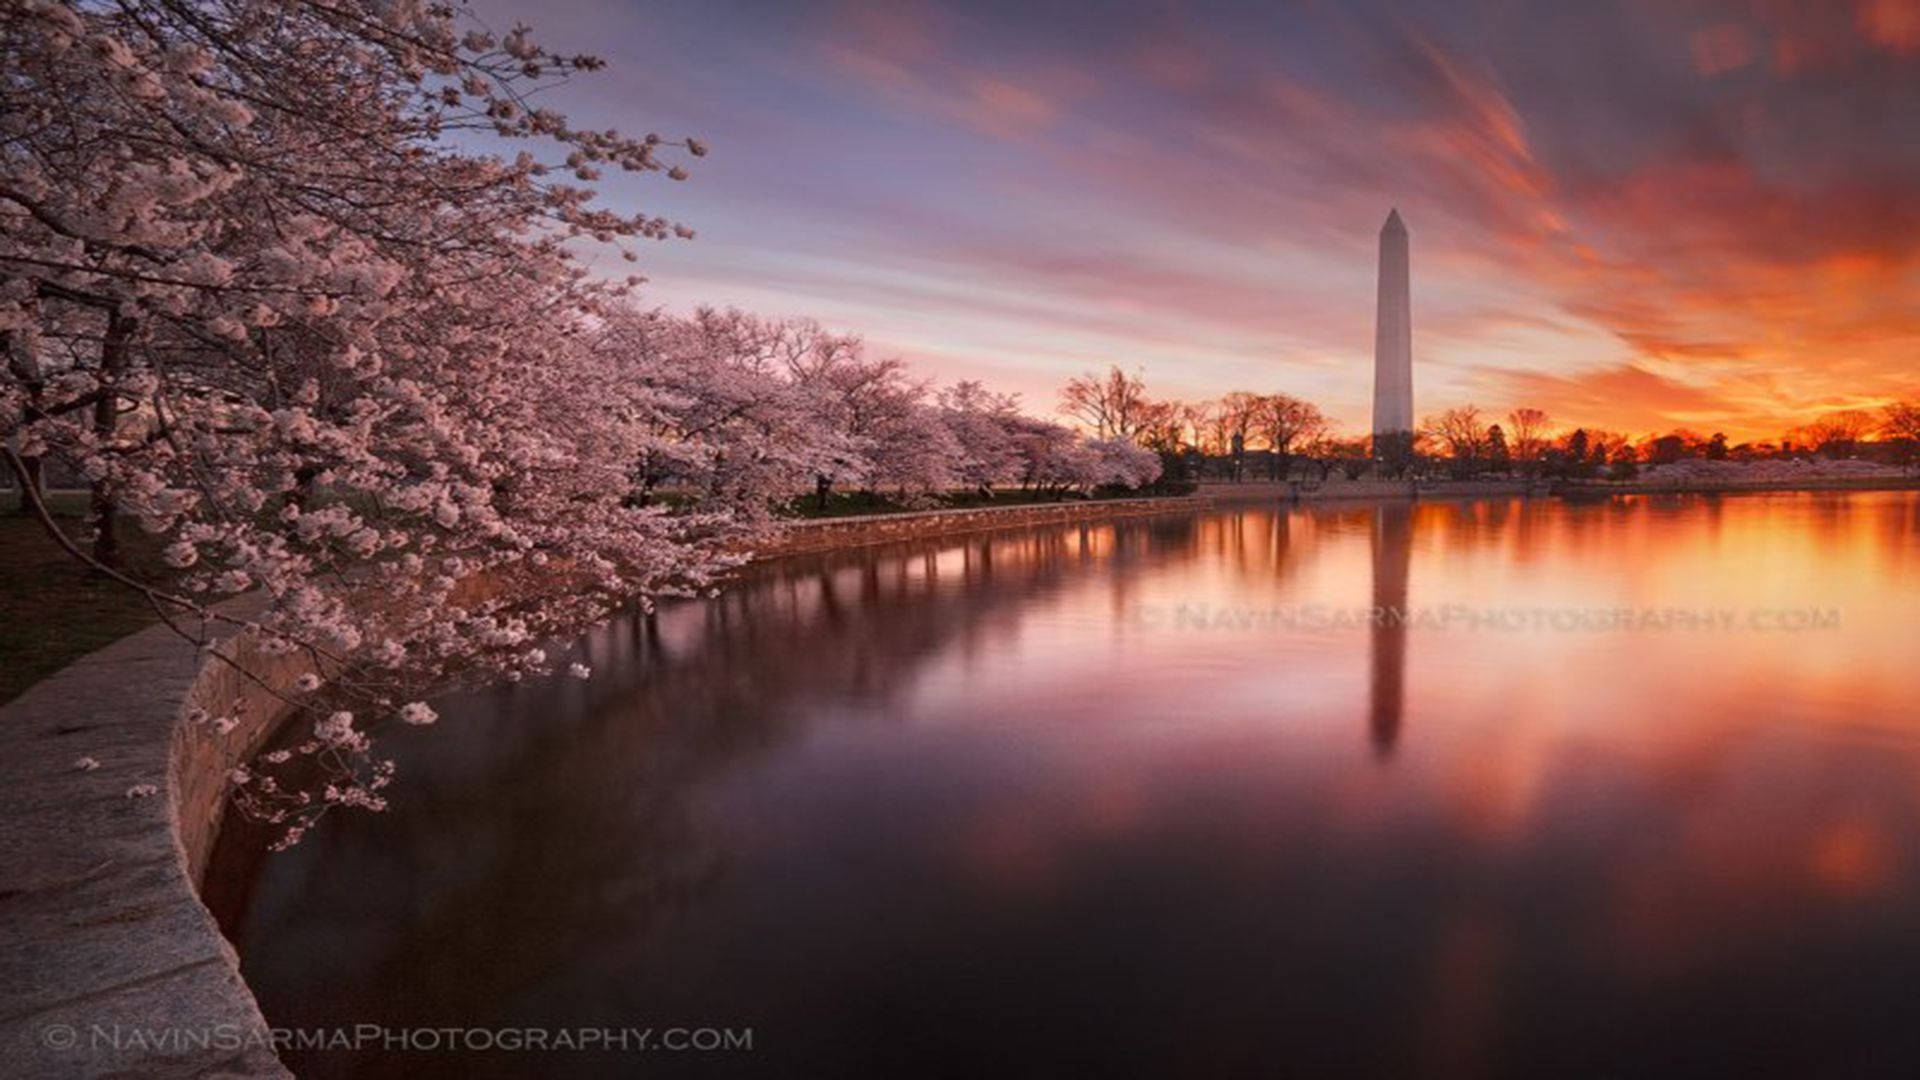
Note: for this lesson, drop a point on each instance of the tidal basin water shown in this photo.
(1509, 788)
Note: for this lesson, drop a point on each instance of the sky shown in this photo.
(1640, 215)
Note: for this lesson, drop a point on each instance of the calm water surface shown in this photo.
(1499, 788)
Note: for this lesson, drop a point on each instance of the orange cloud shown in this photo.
(1892, 24)
(1625, 397)
(1851, 857)
(1721, 48)
(1727, 253)
(904, 52)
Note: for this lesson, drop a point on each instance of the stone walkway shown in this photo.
(109, 964)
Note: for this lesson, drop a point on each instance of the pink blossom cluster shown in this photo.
(751, 410)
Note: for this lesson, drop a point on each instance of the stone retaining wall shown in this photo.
(829, 534)
(1718, 487)
(1333, 490)
(111, 966)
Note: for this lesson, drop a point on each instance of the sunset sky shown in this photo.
(1639, 215)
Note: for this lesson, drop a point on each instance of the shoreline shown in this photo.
(1737, 487)
(814, 536)
(1383, 490)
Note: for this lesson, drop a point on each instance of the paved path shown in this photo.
(109, 964)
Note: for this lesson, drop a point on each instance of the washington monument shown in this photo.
(1393, 346)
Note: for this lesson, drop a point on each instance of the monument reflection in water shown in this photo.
(1163, 796)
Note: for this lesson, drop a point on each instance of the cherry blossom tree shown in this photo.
(730, 428)
(1119, 463)
(885, 433)
(295, 286)
(745, 411)
(981, 423)
(1055, 459)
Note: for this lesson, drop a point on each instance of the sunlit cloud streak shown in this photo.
(1635, 215)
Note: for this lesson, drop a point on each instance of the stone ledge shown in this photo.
(1589, 488)
(112, 966)
(1370, 490)
(827, 534)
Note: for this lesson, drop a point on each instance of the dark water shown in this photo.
(1614, 789)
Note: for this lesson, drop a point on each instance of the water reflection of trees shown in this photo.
(540, 825)
(859, 625)
(546, 833)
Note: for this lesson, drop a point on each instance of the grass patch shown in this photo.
(52, 610)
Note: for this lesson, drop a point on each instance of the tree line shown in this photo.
(1244, 435)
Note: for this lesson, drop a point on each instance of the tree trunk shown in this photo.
(23, 367)
(31, 484)
(106, 419)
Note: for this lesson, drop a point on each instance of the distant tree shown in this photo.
(1394, 452)
(1666, 449)
(1349, 456)
(1197, 418)
(1717, 447)
(1604, 446)
(1163, 428)
(1573, 453)
(1499, 458)
(1527, 432)
(1238, 413)
(1461, 435)
(978, 419)
(1901, 420)
(885, 433)
(1838, 434)
(1625, 465)
(1114, 405)
(1284, 421)
(1900, 423)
